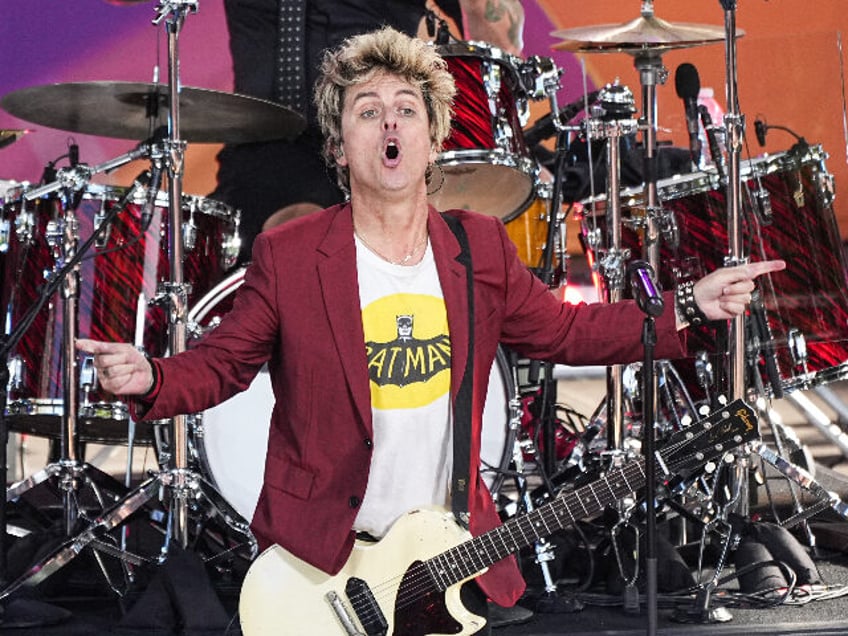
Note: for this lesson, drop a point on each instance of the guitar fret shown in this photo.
(469, 561)
(591, 489)
(609, 486)
(436, 571)
(624, 477)
(520, 522)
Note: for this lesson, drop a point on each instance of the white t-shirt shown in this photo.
(409, 355)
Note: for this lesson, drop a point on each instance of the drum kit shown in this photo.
(157, 266)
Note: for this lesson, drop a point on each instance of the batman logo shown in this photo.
(405, 361)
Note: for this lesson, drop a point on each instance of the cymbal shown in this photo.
(120, 110)
(646, 32)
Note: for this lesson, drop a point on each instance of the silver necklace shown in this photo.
(402, 261)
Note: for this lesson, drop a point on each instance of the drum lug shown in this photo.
(763, 208)
(103, 237)
(826, 188)
(230, 250)
(16, 373)
(87, 377)
(797, 348)
(189, 234)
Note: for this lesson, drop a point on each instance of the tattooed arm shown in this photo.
(498, 22)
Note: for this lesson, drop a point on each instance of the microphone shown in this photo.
(150, 201)
(760, 129)
(544, 127)
(73, 155)
(712, 141)
(688, 85)
(645, 288)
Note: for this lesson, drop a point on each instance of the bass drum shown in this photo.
(229, 441)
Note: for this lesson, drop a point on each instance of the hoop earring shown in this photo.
(428, 179)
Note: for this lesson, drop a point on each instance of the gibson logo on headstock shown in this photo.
(745, 415)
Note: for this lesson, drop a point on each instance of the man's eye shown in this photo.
(369, 113)
(407, 111)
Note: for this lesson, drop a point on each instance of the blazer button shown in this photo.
(368, 442)
(354, 501)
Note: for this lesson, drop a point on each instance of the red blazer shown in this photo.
(299, 311)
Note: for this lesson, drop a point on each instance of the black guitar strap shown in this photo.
(462, 406)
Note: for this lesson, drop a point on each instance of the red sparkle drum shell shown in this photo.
(229, 441)
(809, 298)
(486, 164)
(117, 280)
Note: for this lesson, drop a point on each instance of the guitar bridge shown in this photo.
(342, 614)
(367, 611)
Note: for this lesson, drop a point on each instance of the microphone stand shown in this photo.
(649, 341)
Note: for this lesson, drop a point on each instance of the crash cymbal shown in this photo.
(645, 32)
(121, 110)
(8, 137)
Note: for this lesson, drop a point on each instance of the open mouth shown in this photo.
(392, 151)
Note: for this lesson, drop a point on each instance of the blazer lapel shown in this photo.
(455, 290)
(340, 291)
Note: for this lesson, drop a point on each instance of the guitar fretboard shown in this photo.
(474, 556)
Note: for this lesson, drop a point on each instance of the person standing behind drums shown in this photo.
(273, 181)
(358, 433)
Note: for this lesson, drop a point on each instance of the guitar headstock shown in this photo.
(722, 430)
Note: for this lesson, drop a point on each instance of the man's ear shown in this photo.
(339, 154)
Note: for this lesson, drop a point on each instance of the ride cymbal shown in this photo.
(129, 110)
(645, 32)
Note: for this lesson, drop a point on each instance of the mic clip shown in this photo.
(646, 290)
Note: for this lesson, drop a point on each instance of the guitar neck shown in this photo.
(472, 557)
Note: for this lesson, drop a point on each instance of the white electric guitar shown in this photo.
(408, 583)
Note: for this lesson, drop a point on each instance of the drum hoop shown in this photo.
(781, 162)
(476, 48)
(112, 193)
(496, 156)
(211, 298)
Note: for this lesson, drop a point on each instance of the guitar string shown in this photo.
(423, 582)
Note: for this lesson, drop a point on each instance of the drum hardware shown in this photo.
(807, 481)
(728, 528)
(792, 472)
(646, 38)
(186, 490)
(487, 164)
(611, 121)
(68, 471)
(10, 136)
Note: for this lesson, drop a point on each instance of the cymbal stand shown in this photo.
(615, 105)
(186, 488)
(734, 123)
(651, 73)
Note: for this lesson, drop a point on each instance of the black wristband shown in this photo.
(686, 306)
